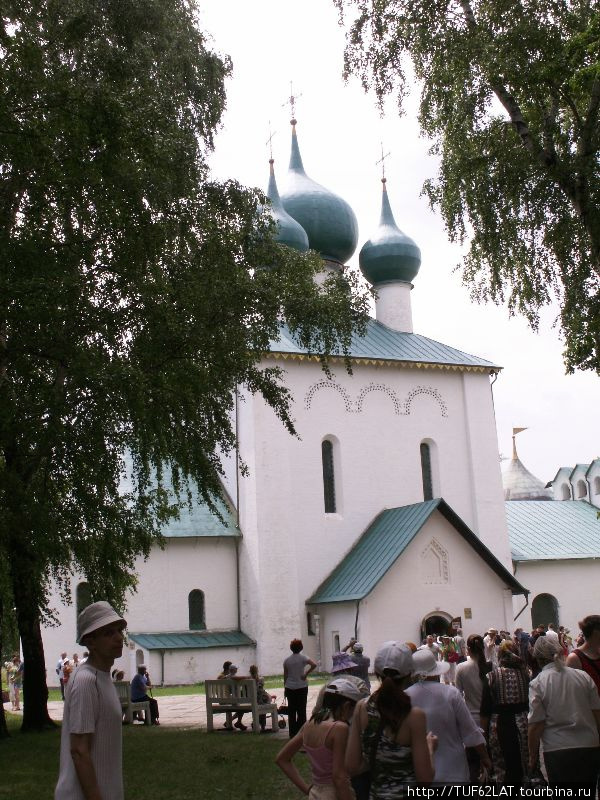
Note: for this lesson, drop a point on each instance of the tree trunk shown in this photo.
(35, 690)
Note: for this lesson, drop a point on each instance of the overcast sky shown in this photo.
(273, 42)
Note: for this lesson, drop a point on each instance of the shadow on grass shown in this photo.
(165, 763)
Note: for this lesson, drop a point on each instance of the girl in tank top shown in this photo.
(324, 738)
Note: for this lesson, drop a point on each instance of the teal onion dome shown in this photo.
(289, 231)
(389, 255)
(328, 220)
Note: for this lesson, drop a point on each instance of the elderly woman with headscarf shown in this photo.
(504, 706)
(565, 716)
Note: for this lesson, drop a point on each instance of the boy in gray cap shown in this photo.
(90, 749)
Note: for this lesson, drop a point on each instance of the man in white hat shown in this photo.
(90, 749)
(448, 718)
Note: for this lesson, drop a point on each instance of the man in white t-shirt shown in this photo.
(90, 749)
(432, 646)
(59, 671)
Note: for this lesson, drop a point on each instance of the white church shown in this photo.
(384, 519)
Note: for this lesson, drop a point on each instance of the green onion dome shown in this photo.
(289, 231)
(328, 220)
(389, 255)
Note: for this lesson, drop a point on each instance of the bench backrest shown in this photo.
(231, 690)
(123, 689)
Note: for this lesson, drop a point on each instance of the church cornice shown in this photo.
(383, 362)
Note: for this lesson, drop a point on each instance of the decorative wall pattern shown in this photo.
(402, 407)
(378, 387)
(425, 390)
(330, 385)
(434, 564)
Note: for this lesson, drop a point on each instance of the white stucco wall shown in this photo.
(574, 583)
(395, 609)
(161, 601)
(378, 417)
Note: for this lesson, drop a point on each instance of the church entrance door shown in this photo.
(436, 624)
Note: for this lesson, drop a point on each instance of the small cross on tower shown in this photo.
(269, 142)
(382, 162)
(291, 102)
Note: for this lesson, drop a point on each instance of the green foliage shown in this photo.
(510, 96)
(135, 293)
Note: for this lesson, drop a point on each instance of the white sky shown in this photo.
(273, 42)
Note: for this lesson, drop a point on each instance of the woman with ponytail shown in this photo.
(324, 738)
(469, 681)
(564, 714)
(388, 736)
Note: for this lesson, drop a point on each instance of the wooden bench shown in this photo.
(227, 696)
(128, 706)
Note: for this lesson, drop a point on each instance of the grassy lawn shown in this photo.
(165, 763)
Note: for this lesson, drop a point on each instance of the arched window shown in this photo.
(328, 476)
(565, 492)
(426, 472)
(581, 490)
(83, 596)
(597, 485)
(544, 610)
(196, 610)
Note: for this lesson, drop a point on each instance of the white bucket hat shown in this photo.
(425, 663)
(96, 616)
(345, 688)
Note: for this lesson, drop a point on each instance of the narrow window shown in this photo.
(336, 642)
(328, 476)
(83, 597)
(196, 610)
(426, 471)
(310, 624)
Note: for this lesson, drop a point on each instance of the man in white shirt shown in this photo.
(564, 714)
(432, 646)
(490, 646)
(59, 671)
(90, 749)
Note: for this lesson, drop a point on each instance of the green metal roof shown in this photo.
(541, 531)
(383, 543)
(381, 343)
(200, 521)
(191, 640)
(194, 520)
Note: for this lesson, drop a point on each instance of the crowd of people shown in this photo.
(66, 666)
(453, 711)
(412, 729)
